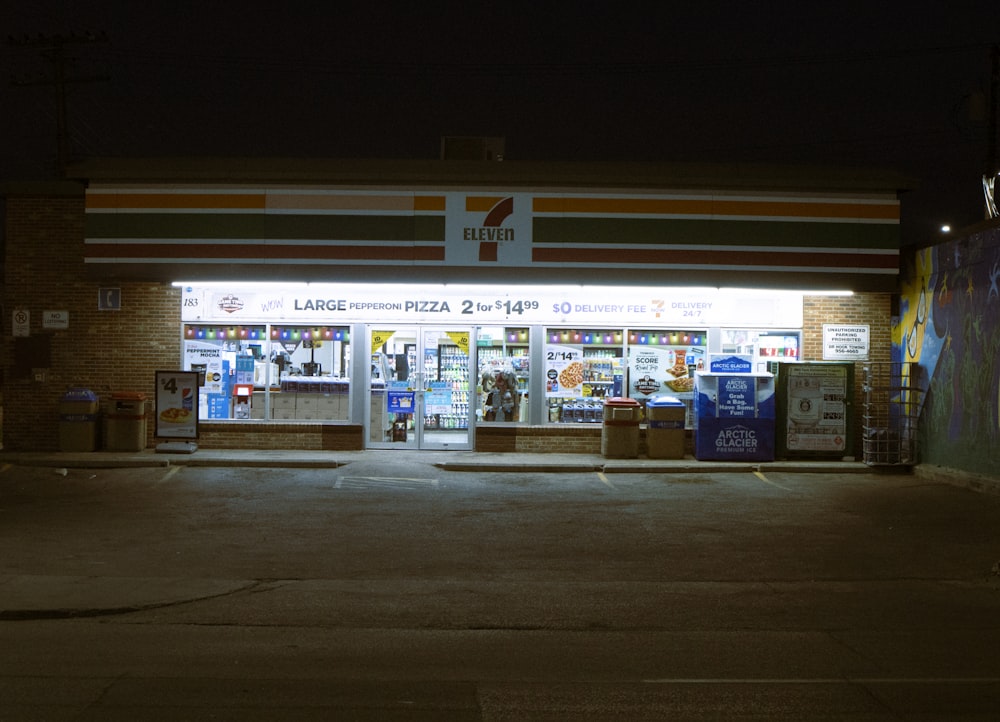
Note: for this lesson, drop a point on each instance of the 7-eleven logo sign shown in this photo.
(492, 232)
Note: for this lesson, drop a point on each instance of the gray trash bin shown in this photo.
(78, 411)
(665, 427)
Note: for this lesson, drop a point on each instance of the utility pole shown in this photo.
(53, 49)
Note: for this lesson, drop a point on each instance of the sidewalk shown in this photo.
(446, 460)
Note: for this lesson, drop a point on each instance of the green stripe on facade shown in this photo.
(638, 231)
(250, 227)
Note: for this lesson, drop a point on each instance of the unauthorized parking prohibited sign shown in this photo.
(845, 343)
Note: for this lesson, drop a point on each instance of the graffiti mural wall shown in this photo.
(949, 324)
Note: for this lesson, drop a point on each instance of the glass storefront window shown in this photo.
(582, 368)
(223, 356)
(764, 346)
(312, 364)
(504, 374)
(295, 372)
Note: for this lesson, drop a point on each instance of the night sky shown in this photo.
(898, 85)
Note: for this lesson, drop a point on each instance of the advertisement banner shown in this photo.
(465, 304)
(657, 371)
(817, 407)
(177, 404)
(400, 399)
(564, 371)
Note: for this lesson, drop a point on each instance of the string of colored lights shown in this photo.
(255, 333)
(514, 335)
(605, 337)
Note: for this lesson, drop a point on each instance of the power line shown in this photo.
(309, 64)
(53, 49)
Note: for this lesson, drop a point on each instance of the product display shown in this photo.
(447, 388)
(504, 374)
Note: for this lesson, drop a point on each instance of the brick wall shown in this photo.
(872, 309)
(274, 435)
(105, 351)
(562, 439)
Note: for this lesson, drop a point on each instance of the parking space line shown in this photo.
(170, 472)
(604, 479)
(763, 478)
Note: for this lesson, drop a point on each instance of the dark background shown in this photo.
(904, 86)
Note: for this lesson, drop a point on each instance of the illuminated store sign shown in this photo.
(572, 305)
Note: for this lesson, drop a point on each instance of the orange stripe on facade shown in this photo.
(127, 253)
(160, 201)
(716, 207)
(259, 201)
(429, 203)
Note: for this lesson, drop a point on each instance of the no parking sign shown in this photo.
(21, 322)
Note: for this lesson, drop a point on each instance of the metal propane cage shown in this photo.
(893, 398)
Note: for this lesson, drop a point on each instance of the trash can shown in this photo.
(125, 422)
(78, 411)
(665, 427)
(620, 430)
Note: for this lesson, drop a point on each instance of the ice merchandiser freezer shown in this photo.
(734, 417)
(814, 410)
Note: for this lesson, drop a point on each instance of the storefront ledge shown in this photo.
(956, 477)
(551, 439)
(445, 460)
(278, 435)
(85, 459)
(689, 464)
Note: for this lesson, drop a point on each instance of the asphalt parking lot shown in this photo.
(393, 588)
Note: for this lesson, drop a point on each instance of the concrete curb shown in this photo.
(955, 477)
(447, 461)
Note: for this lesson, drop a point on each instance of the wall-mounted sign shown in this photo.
(21, 322)
(845, 343)
(109, 299)
(583, 306)
(55, 319)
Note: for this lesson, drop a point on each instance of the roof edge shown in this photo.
(731, 176)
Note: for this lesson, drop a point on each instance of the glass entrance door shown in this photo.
(419, 388)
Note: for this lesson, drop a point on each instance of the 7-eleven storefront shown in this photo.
(419, 366)
(386, 314)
